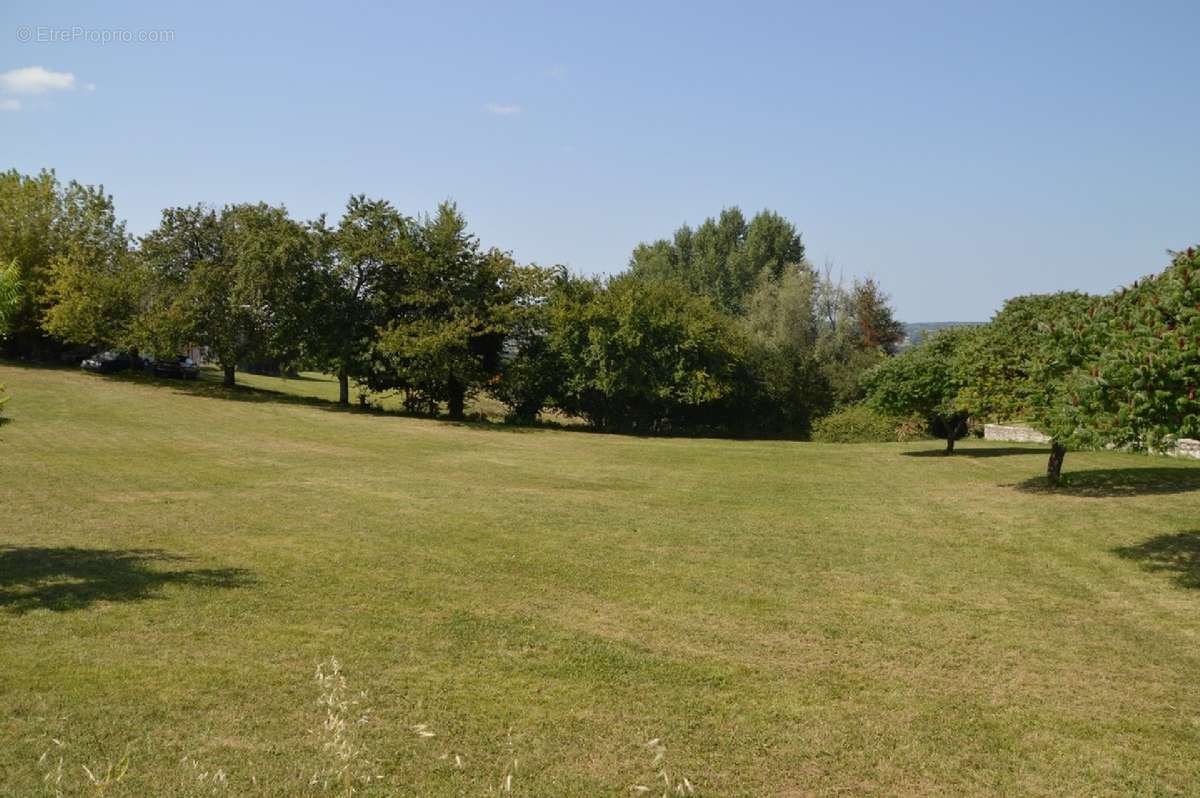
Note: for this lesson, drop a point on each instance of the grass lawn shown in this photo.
(786, 618)
(314, 385)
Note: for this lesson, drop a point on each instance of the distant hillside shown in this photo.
(916, 331)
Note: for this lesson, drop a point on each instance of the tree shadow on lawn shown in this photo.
(212, 389)
(1178, 555)
(999, 451)
(1100, 483)
(243, 393)
(68, 578)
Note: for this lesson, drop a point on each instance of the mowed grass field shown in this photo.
(525, 609)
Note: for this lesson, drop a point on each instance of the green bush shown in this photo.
(862, 424)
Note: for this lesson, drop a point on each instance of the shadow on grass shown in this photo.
(214, 389)
(1178, 555)
(1115, 482)
(240, 393)
(1000, 451)
(68, 578)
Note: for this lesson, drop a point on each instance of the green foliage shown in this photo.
(446, 307)
(846, 345)
(47, 229)
(10, 296)
(642, 356)
(29, 210)
(724, 327)
(844, 365)
(531, 370)
(877, 327)
(724, 258)
(95, 300)
(778, 391)
(781, 311)
(784, 384)
(228, 281)
(1135, 360)
(926, 381)
(1011, 364)
(370, 243)
(861, 423)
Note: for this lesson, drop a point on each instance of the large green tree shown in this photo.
(1135, 366)
(783, 385)
(724, 257)
(357, 262)
(1011, 355)
(30, 206)
(226, 281)
(926, 380)
(531, 370)
(445, 309)
(1016, 366)
(644, 356)
(872, 311)
(845, 345)
(94, 296)
(47, 228)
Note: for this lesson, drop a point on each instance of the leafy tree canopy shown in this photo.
(643, 356)
(724, 257)
(226, 280)
(446, 306)
(1010, 359)
(1136, 366)
(10, 296)
(926, 380)
(45, 227)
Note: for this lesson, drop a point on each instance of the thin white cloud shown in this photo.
(502, 109)
(9, 104)
(35, 80)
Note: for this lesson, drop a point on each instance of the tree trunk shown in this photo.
(1054, 467)
(458, 398)
(227, 377)
(343, 388)
(952, 434)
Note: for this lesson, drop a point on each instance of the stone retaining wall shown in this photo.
(1017, 433)
(1014, 433)
(1186, 447)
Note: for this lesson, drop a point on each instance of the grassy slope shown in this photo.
(314, 385)
(789, 618)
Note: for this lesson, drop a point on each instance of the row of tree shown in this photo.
(1115, 371)
(722, 328)
(725, 327)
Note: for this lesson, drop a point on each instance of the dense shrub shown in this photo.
(642, 356)
(861, 424)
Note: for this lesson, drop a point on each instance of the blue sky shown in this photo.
(959, 153)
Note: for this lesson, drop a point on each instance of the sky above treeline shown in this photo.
(960, 153)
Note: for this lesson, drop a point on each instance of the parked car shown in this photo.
(180, 366)
(109, 361)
